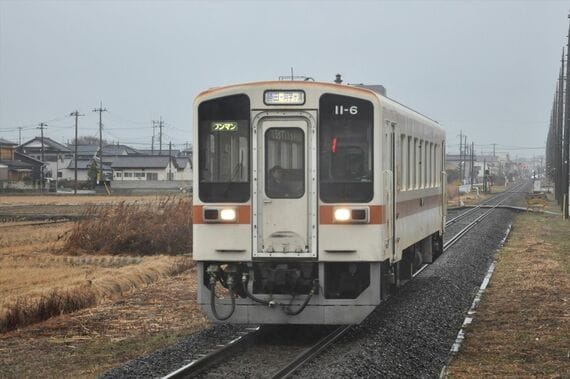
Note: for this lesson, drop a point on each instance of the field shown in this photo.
(110, 306)
(522, 326)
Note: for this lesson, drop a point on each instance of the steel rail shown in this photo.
(310, 352)
(198, 366)
(12, 224)
(209, 360)
(478, 206)
(471, 225)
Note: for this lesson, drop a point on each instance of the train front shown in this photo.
(287, 206)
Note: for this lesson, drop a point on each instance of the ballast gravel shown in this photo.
(164, 361)
(410, 335)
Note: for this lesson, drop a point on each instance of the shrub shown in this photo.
(143, 228)
(25, 312)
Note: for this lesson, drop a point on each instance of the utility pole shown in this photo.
(100, 110)
(42, 126)
(160, 126)
(565, 161)
(466, 151)
(19, 135)
(170, 160)
(461, 156)
(472, 162)
(560, 119)
(484, 175)
(76, 114)
(494, 155)
(152, 141)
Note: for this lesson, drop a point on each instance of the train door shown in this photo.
(390, 187)
(284, 214)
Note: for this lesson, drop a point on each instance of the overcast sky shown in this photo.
(487, 68)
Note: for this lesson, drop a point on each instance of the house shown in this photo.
(84, 151)
(51, 149)
(18, 167)
(151, 168)
(151, 174)
(7, 149)
(55, 155)
(83, 165)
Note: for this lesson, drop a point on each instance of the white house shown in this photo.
(151, 168)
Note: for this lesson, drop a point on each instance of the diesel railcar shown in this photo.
(311, 200)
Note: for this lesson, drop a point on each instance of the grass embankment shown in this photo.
(50, 270)
(522, 326)
(86, 343)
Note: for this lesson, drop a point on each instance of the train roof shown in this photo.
(358, 89)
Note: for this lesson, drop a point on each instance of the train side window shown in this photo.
(403, 162)
(418, 163)
(426, 165)
(432, 159)
(409, 161)
(423, 163)
(437, 169)
(429, 170)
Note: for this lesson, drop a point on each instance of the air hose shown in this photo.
(213, 298)
(287, 309)
(244, 282)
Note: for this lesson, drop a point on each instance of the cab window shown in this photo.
(224, 144)
(345, 149)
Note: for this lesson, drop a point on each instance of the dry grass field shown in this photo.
(522, 326)
(48, 283)
(9, 200)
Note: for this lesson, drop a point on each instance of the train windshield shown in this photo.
(345, 149)
(224, 143)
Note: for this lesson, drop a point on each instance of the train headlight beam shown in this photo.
(342, 214)
(228, 215)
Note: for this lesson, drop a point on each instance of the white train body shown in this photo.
(311, 200)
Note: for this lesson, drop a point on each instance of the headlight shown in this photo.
(228, 214)
(342, 214)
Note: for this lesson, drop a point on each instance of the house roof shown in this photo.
(85, 150)
(36, 142)
(17, 165)
(174, 152)
(27, 158)
(5, 142)
(143, 161)
(84, 164)
(119, 150)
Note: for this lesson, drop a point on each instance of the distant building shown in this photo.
(7, 149)
(16, 166)
(151, 168)
(52, 149)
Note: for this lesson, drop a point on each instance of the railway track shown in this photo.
(15, 221)
(213, 358)
(508, 193)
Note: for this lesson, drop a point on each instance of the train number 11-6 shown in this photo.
(340, 110)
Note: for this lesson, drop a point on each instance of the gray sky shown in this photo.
(488, 68)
